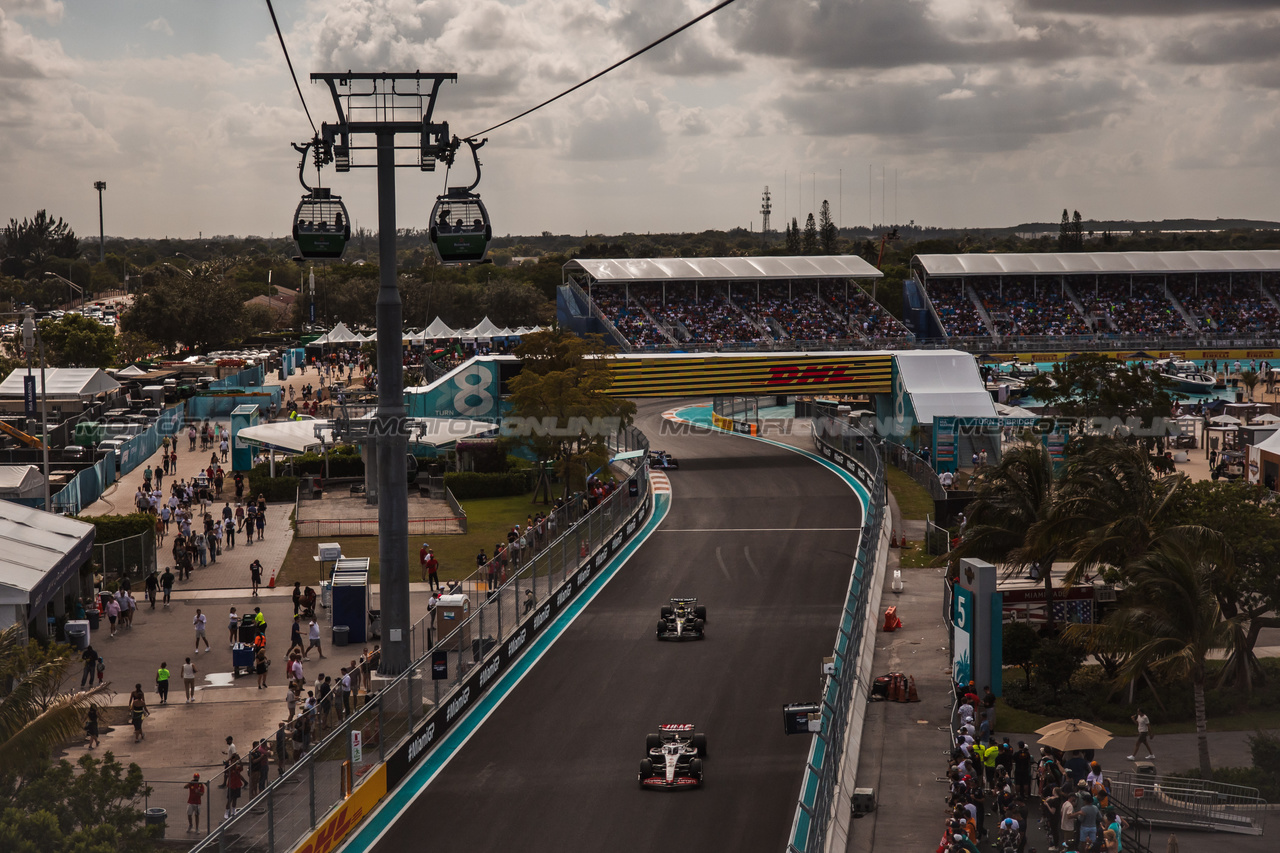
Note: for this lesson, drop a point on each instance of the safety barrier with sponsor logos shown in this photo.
(474, 685)
(822, 813)
(310, 808)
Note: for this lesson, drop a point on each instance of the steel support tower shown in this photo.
(373, 110)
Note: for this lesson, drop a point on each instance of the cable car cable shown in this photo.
(619, 63)
(289, 62)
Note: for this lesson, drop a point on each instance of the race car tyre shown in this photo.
(667, 612)
(700, 612)
(699, 626)
(695, 769)
(662, 628)
(700, 744)
(652, 742)
(646, 769)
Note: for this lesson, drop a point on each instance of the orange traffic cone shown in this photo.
(895, 688)
(912, 695)
(582, 552)
(902, 688)
(893, 539)
(903, 543)
(271, 584)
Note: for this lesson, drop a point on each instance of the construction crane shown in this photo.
(28, 440)
(890, 236)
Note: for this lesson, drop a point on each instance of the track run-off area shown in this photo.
(764, 536)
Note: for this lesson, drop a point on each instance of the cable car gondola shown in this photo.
(321, 225)
(460, 227)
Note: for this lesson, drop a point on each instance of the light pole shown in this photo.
(102, 237)
(72, 284)
(31, 336)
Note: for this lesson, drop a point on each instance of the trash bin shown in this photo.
(92, 616)
(77, 636)
(340, 633)
(156, 818)
(248, 630)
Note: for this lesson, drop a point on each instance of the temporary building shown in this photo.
(40, 558)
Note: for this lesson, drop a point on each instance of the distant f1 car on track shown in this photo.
(673, 758)
(663, 460)
(682, 619)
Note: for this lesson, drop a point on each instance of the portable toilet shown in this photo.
(351, 606)
(241, 453)
(452, 611)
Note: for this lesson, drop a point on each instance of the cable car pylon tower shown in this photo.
(374, 109)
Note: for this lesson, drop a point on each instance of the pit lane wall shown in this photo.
(823, 813)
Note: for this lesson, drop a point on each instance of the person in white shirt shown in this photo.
(189, 680)
(201, 622)
(313, 641)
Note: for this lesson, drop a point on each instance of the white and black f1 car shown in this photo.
(682, 619)
(663, 460)
(673, 758)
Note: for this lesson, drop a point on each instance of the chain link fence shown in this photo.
(858, 452)
(319, 781)
(133, 557)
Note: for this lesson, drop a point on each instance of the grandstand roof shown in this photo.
(723, 269)
(1100, 263)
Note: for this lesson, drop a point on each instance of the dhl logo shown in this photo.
(334, 829)
(807, 375)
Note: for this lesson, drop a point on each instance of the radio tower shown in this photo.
(765, 207)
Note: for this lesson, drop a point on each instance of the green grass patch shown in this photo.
(488, 520)
(914, 501)
(914, 556)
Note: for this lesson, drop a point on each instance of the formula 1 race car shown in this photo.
(673, 758)
(664, 461)
(683, 619)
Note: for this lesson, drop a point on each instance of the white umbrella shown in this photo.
(1268, 418)
(1225, 420)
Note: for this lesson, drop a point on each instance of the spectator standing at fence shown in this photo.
(344, 694)
(282, 747)
(235, 782)
(195, 794)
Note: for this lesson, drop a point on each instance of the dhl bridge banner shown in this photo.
(760, 375)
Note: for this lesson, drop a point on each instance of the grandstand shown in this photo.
(1088, 298)
(782, 303)
(981, 302)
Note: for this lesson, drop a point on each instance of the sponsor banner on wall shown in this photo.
(789, 373)
(334, 828)
(481, 677)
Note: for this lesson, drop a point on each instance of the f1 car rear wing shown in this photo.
(676, 727)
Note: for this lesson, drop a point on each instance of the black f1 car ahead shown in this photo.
(663, 460)
(682, 619)
(673, 758)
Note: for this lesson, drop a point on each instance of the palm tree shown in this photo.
(1010, 499)
(1249, 379)
(1111, 508)
(1168, 620)
(36, 714)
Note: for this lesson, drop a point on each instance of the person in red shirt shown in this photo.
(235, 781)
(423, 553)
(433, 567)
(195, 793)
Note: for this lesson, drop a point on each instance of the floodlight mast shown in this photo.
(372, 110)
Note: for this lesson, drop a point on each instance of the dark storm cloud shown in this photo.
(836, 34)
(938, 116)
(1224, 44)
(1151, 8)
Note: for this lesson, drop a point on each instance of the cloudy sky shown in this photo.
(977, 112)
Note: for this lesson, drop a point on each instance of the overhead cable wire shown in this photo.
(618, 64)
(289, 62)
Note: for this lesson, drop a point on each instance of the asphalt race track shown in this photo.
(554, 768)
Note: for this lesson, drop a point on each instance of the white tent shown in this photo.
(438, 329)
(20, 481)
(300, 436)
(40, 556)
(131, 371)
(79, 382)
(1264, 460)
(483, 331)
(339, 334)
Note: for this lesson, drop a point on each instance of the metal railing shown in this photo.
(311, 788)
(1173, 802)
(851, 448)
(905, 459)
(312, 528)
